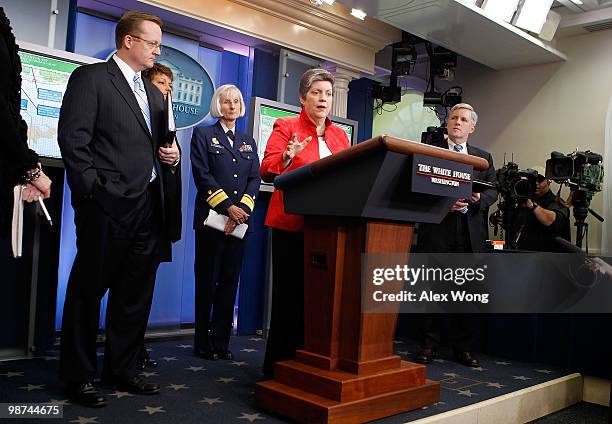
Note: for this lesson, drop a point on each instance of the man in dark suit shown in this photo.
(111, 134)
(463, 230)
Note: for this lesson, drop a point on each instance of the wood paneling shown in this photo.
(347, 371)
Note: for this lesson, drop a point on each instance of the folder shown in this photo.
(217, 221)
(17, 226)
(170, 123)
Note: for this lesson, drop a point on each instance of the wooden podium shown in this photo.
(359, 201)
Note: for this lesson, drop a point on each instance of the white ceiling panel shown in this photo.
(464, 29)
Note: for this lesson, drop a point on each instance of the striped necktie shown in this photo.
(143, 103)
(459, 148)
(141, 98)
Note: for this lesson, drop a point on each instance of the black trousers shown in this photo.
(454, 230)
(122, 259)
(286, 333)
(218, 261)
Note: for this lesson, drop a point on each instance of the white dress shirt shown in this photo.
(225, 130)
(323, 149)
(127, 71)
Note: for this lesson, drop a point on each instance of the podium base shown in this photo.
(310, 395)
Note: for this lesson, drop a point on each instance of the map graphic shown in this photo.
(44, 82)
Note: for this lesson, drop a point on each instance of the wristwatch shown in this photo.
(534, 205)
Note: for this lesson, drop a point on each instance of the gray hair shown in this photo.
(215, 102)
(469, 107)
(311, 76)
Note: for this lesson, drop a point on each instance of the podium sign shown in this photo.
(441, 177)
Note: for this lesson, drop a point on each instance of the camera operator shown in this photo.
(539, 220)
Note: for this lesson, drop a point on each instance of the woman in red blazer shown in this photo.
(295, 142)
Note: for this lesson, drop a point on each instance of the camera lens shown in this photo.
(523, 188)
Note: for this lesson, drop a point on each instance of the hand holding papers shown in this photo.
(169, 152)
(218, 222)
(17, 223)
(170, 121)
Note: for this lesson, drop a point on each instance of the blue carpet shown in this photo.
(581, 413)
(198, 391)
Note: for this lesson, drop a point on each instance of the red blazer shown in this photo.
(271, 166)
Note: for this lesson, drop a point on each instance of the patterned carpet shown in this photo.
(198, 391)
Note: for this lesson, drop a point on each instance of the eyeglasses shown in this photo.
(152, 44)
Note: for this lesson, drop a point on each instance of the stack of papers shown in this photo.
(217, 221)
(17, 227)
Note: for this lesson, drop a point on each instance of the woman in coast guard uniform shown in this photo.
(226, 174)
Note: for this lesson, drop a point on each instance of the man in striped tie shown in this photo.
(111, 134)
(463, 230)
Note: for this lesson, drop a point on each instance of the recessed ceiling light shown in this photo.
(358, 13)
(532, 15)
(500, 9)
(320, 2)
(578, 2)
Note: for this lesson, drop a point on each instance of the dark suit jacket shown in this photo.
(173, 188)
(224, 175)
(15, 157)
(173, 202)
(106, 145)
(433, 238)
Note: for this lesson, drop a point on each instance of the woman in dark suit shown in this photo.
(226, 173)
(18, 164)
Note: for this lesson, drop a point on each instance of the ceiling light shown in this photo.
(578, 2)
(320, 2)
(532, 15)
(500, 9)
(550, 26)
(358, 13)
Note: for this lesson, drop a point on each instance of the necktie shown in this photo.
(230, 137)
(143, 103)
(141, 98)
(458, 148)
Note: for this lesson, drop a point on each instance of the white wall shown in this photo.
(533, 110)
(30, 20)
